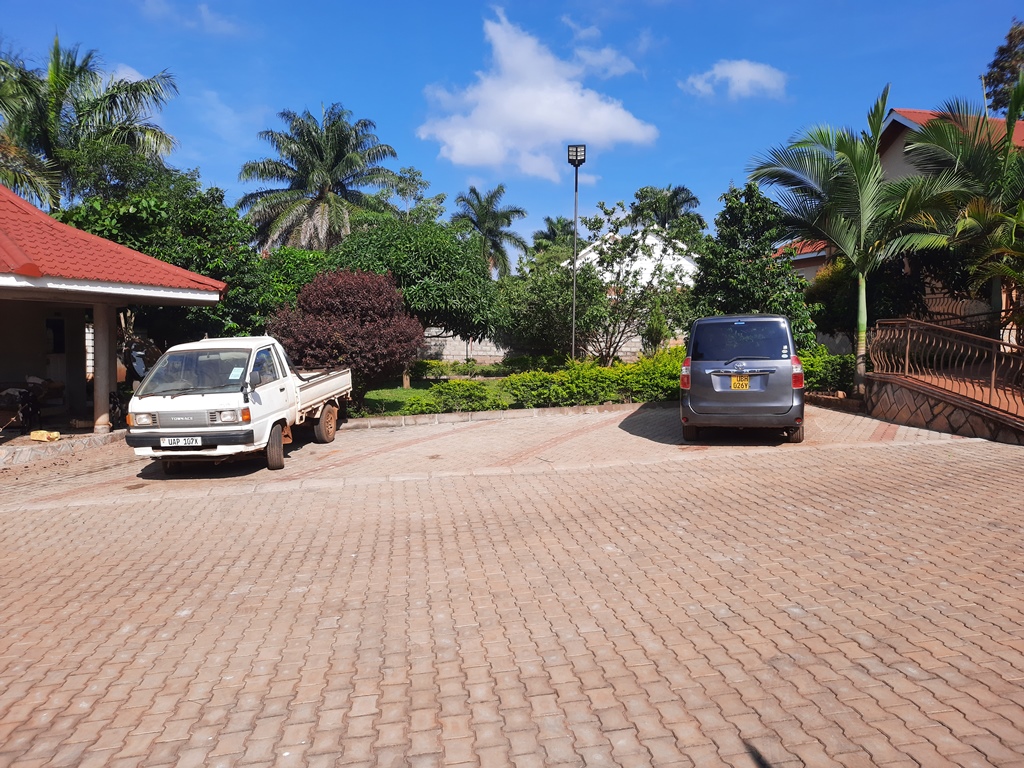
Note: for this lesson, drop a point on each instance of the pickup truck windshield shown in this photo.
(196, 371)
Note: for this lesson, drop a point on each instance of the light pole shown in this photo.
(577, 156)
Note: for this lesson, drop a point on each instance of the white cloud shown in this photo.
(607, 62)
(199, 17)
(526, 108)
(215, 24)
(581, 33)
(231, 126)
(124, 72)
(743, 79)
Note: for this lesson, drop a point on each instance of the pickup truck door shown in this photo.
(270, 397)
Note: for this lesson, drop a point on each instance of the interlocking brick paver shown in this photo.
(560, 590)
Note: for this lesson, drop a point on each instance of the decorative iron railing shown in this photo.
(988, 371)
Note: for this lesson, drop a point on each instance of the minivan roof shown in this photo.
(733, 318)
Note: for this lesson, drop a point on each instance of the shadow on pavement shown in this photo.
(245, 465)
(657, 422)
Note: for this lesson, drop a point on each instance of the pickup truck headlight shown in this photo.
(227, 417)
(141, 419)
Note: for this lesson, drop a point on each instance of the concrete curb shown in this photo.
(389, 422)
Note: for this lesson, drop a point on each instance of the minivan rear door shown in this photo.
(741, 366)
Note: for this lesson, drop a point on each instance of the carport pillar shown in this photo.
(104, 376)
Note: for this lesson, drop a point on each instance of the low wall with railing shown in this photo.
(939, 378)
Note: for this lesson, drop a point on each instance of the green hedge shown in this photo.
(454, 397)
(825, 372)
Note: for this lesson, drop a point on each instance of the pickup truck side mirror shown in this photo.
(254, 379)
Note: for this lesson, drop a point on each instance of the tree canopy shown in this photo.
(832, 188)
(55, 113)
(1005, 68)
(443, 282)
(324, 165)
(737, 272)
(485, 214)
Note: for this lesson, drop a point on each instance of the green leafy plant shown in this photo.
(825, 372)
(456, 396)
(651, 378)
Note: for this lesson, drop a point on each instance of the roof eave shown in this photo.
(66, 290)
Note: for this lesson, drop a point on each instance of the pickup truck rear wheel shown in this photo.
(326, 425)
(275, 448)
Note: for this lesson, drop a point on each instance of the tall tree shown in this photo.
(557, 231)
(983, 152)
(662, 206)
(737, 271)
(57, 112)
(642, 270)
(324, 164)
(1005, 69)
(491, 220)
(832, 188)
(443, 283)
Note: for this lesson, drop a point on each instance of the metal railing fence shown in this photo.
(985, 370)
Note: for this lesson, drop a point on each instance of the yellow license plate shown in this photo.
(742, 381)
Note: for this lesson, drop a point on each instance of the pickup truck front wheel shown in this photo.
(275, 448)
(327, 425)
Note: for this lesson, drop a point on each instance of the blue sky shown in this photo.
(472, 93)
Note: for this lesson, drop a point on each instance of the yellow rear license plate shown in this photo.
(741, 381)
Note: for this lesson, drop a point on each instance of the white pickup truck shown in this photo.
(215, 399)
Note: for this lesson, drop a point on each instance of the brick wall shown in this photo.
(900, 401)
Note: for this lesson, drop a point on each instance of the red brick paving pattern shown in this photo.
(566, 591)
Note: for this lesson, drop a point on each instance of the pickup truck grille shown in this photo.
(186, 419)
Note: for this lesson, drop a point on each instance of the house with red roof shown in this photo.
(900, 123)
(55, 281)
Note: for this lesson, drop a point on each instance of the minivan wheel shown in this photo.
(690, 433)
(797, 435)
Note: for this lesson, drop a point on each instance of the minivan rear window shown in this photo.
(764, 339)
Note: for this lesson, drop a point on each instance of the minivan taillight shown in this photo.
(798, 372)
(684, 375)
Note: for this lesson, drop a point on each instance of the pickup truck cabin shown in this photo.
(218, 399)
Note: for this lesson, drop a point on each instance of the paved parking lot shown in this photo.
(575, 590)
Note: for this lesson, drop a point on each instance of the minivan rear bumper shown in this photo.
(790, 419)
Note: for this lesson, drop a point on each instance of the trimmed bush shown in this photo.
(454, 397)
(825, 372)
(651, 379)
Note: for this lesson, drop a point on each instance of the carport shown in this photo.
(55, 282)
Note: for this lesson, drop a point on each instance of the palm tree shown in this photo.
(486, 216)
(53, 113)
(324, 164)
(661, 206)
(556, 231)
(25, 173)
(988, 229)
(833, 189)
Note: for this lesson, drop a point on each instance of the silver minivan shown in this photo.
(742, 371)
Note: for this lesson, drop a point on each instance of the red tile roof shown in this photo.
(32, 244)
(801, 247)
(923, 116)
